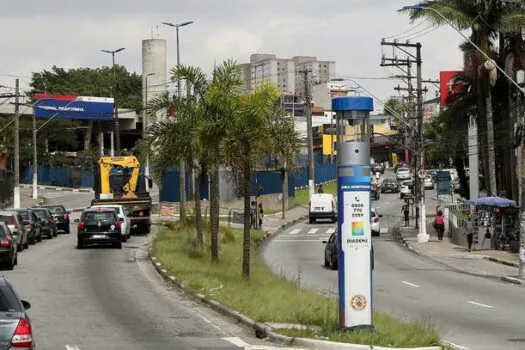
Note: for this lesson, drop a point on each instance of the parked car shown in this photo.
(331, 258)
(8, 247)
(31, 224)
(374, 222)
(429, 184)
(99, 226)
(378, 167)
(125, 222)
(401, 165)
(13, 220)
(406, 189)
(390, 185)
(403, 174)
(47, 223)
(60, 215)
(322, 206)
(17, 330)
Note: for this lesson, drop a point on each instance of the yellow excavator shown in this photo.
(120, 181)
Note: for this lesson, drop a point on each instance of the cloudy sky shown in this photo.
(70, 34)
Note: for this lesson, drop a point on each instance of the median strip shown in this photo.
(269, 299)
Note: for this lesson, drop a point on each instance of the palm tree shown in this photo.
(257, 128)
(484, 18)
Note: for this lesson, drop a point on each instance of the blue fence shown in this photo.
(58, 176)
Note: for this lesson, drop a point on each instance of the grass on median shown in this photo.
(302, 198)
(266, 297)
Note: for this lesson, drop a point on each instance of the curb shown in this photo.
(40, 187)
(262, 330)
(499, 261)
(507, 279)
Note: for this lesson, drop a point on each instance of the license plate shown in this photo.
(319, 208)
(100, 236)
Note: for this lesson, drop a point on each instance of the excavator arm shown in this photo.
(127, 163)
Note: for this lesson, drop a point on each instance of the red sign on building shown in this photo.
(451, 83)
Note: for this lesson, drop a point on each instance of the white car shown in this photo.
(322, 206)
(403, 174)
(405, 189)
(429, 184)
(374, 222)
(123, 217)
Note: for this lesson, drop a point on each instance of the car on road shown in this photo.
(390, 185)
(406, 189)
(13, 220)
(429, 184)
(403, 174)
(8, 247)
(99, 226)
(31, 224)
(124, 219)
(378, 167)
(47, 223)
(331, 258)
(401, 165)
(60, 215)
(374, 222)
(17, 330)
(322, 206)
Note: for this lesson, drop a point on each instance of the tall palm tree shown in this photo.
(257, 128)
(484, 18)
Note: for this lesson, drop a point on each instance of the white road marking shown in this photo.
(242, 344)
(294, 240)
(455, 345)
(72, 347)
(479, 304)
(236, 341)
(313, 231)
(410, 284)
(330, 230)
(294, 231)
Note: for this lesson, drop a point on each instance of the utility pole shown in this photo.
(520, 77)
(405, 47)
(308, 113)
(16, 190)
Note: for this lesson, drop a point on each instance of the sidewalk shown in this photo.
(486, 263)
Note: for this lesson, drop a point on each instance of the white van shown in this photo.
(322, 206)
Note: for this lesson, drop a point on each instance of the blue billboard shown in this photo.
(48, 106)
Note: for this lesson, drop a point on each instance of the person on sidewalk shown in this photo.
(469, 231)
(406, 212)
(439, 225)
(252, 215)
(261, 214)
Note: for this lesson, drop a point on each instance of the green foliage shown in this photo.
(396, 105)
(269, 298)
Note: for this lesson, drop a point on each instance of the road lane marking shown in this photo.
(330, 231)
(410, 284)
(294, 231)
(294, 240)
(479, 304)
(455, 345)
(313, 231)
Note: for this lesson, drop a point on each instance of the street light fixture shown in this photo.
(114, 92)
(417, 8)
(145, 127)
(182, 167)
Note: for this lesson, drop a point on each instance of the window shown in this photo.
(8, 300)
(332, 238)
(24, 214)
(57, 210)
(8, 219)
(96, 216)
(42, 214)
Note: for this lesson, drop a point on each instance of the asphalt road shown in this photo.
(104, 298)
(472, 312)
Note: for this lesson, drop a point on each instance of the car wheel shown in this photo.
(124, 238)
(67, 230)
(16, 258)
(20, 247)
(26, 246)
(333, 265)
(55, 233)
(117, 245)
(311, 220)
(80, 244)
(326, 263)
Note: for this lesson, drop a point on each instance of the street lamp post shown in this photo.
(182, 167)
(114, 92)
(145, 127)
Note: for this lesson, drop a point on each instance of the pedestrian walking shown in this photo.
(406, 212)
(253, 223)
(439, 225)
(469, 231)
(261, 215)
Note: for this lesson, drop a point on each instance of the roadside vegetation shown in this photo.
(302, 198)
(281, 300)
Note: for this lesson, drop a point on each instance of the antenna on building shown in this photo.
(158, 34)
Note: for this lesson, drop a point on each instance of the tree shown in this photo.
(259, 127)
(90, 82)
(484, 18)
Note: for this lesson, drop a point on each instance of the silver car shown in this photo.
(14, 221)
